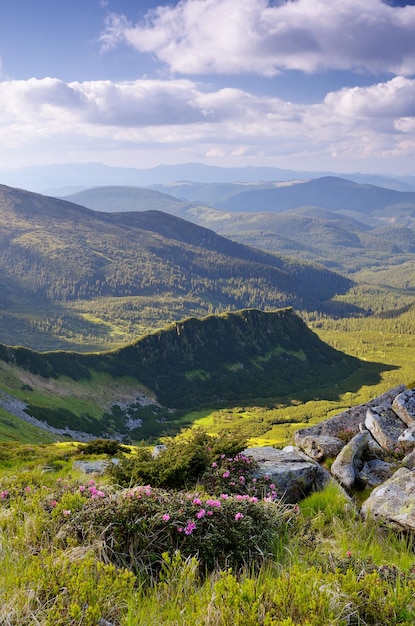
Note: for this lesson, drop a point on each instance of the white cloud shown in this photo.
(176, 120)
(258, 36)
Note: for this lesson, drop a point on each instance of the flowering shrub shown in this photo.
(186, 458)
(237, 474)
(135, 527)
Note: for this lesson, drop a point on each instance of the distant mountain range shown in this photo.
(63, 179)
(346, 226)
(70, 275)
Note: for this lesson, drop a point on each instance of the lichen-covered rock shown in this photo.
(294, 475)
(393, 502)
(404, 406)
(321, 447)
(409, 460)
(375, 472)
(385, 426)
(348, 462)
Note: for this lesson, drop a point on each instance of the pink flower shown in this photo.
(190, 526)
(241, 479)
(224, 496)
(214, 464)
(82, 488)
(226, 474)
(197, 501)
(166, 517)
(53, 504)
(201, 514)
(272, 486)
(91, 483)
(213, 503)
(238, 516)
(210, 513)
(4, 494)
(348, 553)
(66, 511)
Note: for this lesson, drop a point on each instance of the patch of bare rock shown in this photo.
(370, 446)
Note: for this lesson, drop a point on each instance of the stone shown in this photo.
(347, 421)
(385, 426)
(404, 406)
(321, 447)
(375, 472)
(294, 474)
(158, 449)
(393, 502)
(407, 438)
(347, 464)
(409, 460)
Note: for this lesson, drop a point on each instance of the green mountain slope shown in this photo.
(219, 360)
(73, 276)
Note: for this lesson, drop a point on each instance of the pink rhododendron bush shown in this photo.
(134, 527)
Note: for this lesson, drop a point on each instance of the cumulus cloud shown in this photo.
(109, 118)
(265, 37)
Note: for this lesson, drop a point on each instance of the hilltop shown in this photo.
(218, 361)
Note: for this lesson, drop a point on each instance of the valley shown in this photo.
(111, 268)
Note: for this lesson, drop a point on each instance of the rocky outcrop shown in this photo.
(404, 406)
(293, 473)
(380, 456)
(385, 426)
(347, 423)
(393, 502)
(348, 463)
(322, 447)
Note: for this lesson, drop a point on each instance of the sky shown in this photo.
(298, 84)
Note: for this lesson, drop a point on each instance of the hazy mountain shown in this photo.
(370, 226)
(68, 273)
(332, 193)
(56, 179)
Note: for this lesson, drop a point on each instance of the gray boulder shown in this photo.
(393, 502)
(321, 447)
(347, 464)
(294, 474)
(404, 406)
(375, 472)
(348, 421)
(385, 426)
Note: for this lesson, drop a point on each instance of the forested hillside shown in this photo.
(73, 276)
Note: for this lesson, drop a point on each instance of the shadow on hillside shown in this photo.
(368, 374)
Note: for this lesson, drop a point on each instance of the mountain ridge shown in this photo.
(89, 270)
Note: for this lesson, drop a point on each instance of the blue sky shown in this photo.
(301, 84)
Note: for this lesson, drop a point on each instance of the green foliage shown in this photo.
(104, 446)
(136, 527)
(182, 464)
(243, 355)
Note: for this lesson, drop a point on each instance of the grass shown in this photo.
(328, 566)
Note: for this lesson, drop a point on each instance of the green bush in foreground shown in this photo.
(79, 553)
(136, 527)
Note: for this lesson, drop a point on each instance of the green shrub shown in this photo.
(187, 457)
(135, 527)
(104, 446)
